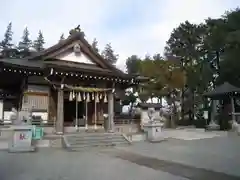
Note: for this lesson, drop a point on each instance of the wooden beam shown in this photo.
(36, 93)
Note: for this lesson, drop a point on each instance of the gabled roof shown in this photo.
(22, 63)
(77, 36)
(224, 89)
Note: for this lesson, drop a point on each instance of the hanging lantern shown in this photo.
(105, 98)
(97, 97)
(79, 98)
(70, 96)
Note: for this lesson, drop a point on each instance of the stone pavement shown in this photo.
(49, 164)
(212, 158)
(191, 134)
(219, 154)
(171, 167)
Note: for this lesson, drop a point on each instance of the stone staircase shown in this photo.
(81, 141)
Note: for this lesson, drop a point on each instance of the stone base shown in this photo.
(136, 137)
(21, 149)
(154, 131)
(59, 133)
(157, 140)
(110, 131)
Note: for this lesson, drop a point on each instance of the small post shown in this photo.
(95, 113)
(233, 110)
(1, 109)
(86, 117)
(76, 122)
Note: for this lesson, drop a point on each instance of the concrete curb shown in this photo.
(127, 139)
(65, 142)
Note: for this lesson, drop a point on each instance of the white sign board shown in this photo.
(22, 138)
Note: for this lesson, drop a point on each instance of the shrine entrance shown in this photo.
(83, 107)
(73, 110)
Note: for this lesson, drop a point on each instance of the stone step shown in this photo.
(87, 140)
(92, 142)
(96, 146)
(93, 134)
(75, 138)
(95, 140)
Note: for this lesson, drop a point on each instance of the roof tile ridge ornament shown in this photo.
(76, 31)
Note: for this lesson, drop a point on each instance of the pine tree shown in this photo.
(62, 37)
(95, 45)
(39, 42)
(25, 43)
(6, 43)
(108, 54)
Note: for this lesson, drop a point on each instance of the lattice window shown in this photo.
(37, 102)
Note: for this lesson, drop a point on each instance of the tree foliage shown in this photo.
(133, 64)
(109, 54)
(166, 76)
(38, 44)
(6, 43)
(95, 45)
(25, 42)
(208, 52)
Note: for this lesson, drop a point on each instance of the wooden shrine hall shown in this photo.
(68, 84)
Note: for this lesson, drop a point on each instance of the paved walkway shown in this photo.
(208, 158)
(174, 168)
(192, 134)
(219, 154)
(48, 164)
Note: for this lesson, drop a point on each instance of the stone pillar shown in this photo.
(110, 112)
(60, 112)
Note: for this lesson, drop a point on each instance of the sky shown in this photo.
(133, 27)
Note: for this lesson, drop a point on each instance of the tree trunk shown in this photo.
(174, 116)
(182, 104)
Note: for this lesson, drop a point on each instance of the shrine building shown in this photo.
(66, 85)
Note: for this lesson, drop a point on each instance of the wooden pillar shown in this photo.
(95, 112)
(110, 112)
(60, 112)
(76, 115)
(86, 113)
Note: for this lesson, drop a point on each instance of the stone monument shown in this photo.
(21, 140)
(154, 127)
